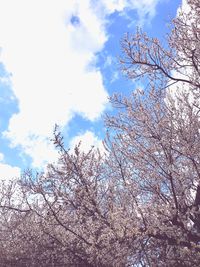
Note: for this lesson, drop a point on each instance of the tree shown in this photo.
(137, 205)
(157, 136)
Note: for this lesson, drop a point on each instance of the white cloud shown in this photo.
(88, 140)
(50, 61)
(48, 58)
(184, 7)
(8, 172)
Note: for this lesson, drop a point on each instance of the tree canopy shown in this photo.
(139, 203)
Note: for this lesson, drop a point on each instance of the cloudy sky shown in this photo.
(59, 64)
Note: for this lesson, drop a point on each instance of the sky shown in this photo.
(59, 63)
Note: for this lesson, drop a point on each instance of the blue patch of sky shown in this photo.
(79, 125)
(8, 106)
(114, 81)
(8, 102)
(108, 59)
(14, 156)
(160, 24)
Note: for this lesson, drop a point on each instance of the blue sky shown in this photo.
(59, 64)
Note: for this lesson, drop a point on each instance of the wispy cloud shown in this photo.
(144, 8)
